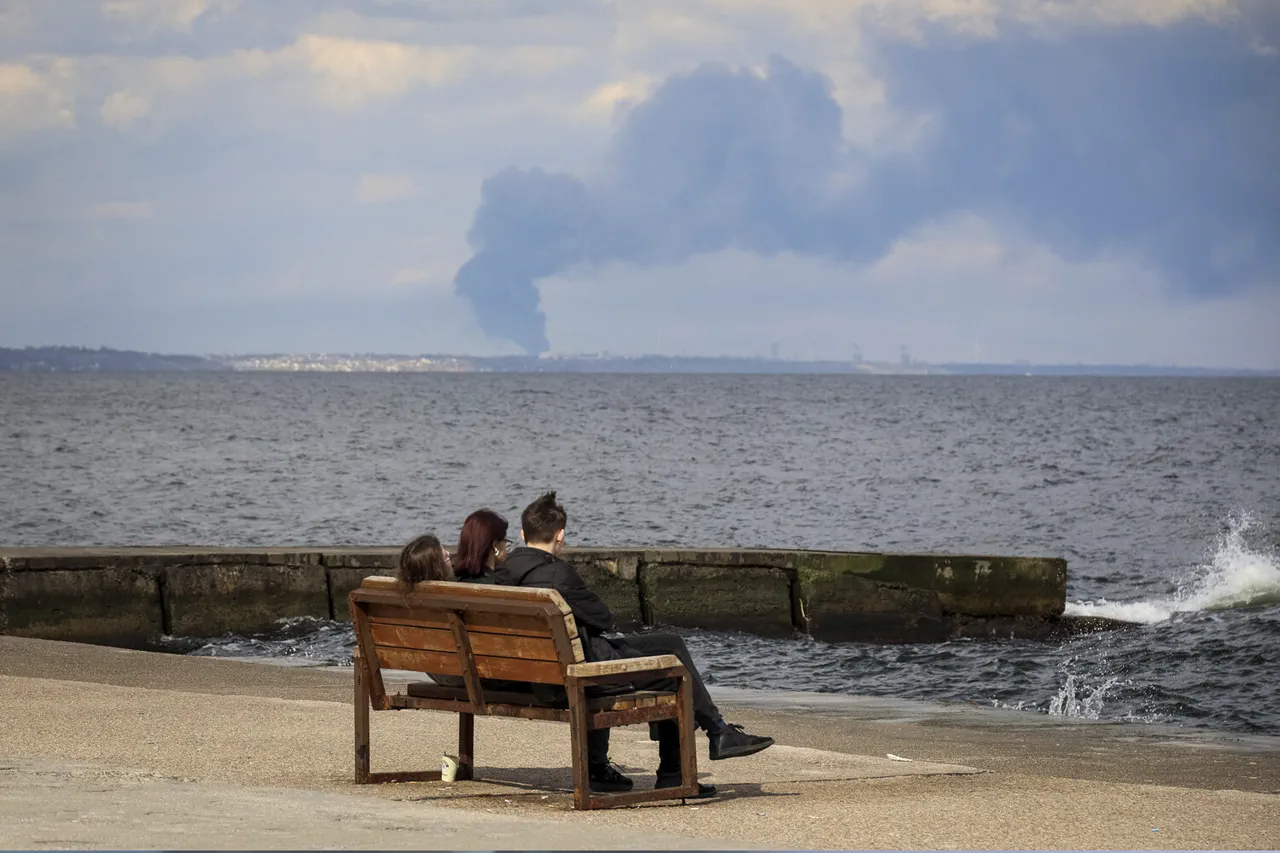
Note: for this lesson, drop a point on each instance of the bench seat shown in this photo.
(622, 702)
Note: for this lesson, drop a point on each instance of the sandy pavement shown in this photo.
(104, 747)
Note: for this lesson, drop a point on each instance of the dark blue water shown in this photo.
(1163, 495)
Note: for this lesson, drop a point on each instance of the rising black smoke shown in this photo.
(1161, 142)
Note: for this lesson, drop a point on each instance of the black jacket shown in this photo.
(532, 567)
(536, 568)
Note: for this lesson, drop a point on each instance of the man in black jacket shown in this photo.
(539, 565)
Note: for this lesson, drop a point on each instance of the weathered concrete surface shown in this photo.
(753, 599)
(975, 586)
(203, 601)
(613, 577)
(223, 728)
(112, 605)
(849, 608)
(835, 596)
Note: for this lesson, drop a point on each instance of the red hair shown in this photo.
(483, 529)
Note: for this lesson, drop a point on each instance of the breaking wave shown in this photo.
(1235, 575)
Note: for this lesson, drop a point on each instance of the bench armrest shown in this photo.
(626, 666)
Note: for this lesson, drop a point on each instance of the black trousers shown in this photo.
(705, 712)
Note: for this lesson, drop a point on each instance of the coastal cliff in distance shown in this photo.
(102, 360)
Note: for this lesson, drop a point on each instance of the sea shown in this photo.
(1162, 494)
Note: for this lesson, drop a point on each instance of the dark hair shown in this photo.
(543, 519)
(483, 529)
(422, 560)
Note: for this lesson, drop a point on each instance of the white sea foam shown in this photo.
(1235, 575)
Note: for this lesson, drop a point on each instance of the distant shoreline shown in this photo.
(84, 360)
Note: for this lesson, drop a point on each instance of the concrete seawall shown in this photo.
(127, 596)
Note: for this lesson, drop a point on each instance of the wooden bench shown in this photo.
(517, 634)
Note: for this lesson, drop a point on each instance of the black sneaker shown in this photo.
(733, 742)
(672, 780)
(607, 780)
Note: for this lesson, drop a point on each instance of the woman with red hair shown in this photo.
(482, 545)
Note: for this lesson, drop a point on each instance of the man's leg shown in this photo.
(727, 741)
(705, 713)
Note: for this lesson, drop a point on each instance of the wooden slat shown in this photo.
(622, 667)
(422, 592)
(441, 640)
(476, 621)
(467, 661)
(446, 663)
(620, 702)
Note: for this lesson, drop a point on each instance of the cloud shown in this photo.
(348, 72)
(34, 100)
(980, 18)
(161, 14)
(1160, 142)
(608, 99)
(382, 188)
(124, 107)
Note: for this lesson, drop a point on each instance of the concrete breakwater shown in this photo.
(127, 596)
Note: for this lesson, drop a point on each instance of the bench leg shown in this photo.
(466, 746)
(688, 748)
(361, 700)
(578, 733)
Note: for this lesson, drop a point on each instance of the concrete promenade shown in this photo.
(112, 748)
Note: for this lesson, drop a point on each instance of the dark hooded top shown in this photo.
(537, 568)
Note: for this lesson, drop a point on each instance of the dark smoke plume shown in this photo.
(1161, 142)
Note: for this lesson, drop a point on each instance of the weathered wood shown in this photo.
(361, 703)
(364, 639)
(418, 601)
(467, 662)
(621, 702)
(688, 754)
(528, 625)
(433, 588)
(578, 731)
(466, 746)
(446, 663)
(621, 667)
(443, 640)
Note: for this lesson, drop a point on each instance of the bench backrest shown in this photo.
(475, 631)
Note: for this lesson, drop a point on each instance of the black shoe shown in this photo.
(673, 780)
(733, 742)
(607, 780)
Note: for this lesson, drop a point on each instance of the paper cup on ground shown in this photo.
(448, 768)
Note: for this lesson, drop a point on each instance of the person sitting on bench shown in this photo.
(538, 564)
(481, 544)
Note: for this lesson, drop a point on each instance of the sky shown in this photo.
(1060, 181)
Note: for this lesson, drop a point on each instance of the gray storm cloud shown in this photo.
(1161, 142)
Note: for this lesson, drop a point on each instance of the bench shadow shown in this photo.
(542, 786)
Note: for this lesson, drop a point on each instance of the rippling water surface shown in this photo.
(1163, 495)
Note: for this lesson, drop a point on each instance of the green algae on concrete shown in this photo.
(718, 598)
(207, 600)
(913, 597)
(612, 576)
